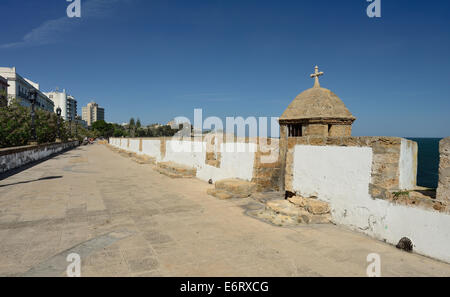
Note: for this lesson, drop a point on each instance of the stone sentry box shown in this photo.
(314, 112)
(317, 112)
(319, 117)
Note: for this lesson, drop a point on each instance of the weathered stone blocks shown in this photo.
(317, 207)
(232, 188)
(312, 205)
(340, 130)
(174, 170)
(267, 166)
(316, 129)
(236, 186)
(443, 191)
(303, 210)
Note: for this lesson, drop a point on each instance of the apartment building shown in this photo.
(93, 113)
(19, 88)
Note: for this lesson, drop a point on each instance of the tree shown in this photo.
(131, 127)
(3, 99)
(15, 125)
(138, 124)
(103, 129)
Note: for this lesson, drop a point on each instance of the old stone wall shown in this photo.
(15, 157)
(340, 130)
(357, 176)
(443, 191)
(341, 175)
(386, 171)
(267, 166)
(213, 154)
(214, 157)
(316, 130)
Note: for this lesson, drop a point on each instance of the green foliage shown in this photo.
(77, 131)
(131, 127)
(3, 98)
(103, 129)
(15, 123)
(47, 127)
(400, 193)
(15, 126)
(138, 124)
(119, 131)
(156, 131)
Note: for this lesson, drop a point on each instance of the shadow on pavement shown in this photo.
(34, 180)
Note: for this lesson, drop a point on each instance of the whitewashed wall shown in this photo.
(134, 146)
(152, 148)
(19, 156)
(408, 164)
(237, 159)
(114, 142)
(189, 153)
(124, 143)
(341, 177)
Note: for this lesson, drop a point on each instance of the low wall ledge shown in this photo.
(19, 149)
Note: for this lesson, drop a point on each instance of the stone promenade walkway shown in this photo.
(125, 219)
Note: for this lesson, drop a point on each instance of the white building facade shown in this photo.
(20, 87)
(67, 103)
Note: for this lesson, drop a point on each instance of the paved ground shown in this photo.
(125, 219)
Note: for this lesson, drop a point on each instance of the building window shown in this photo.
(295, 130)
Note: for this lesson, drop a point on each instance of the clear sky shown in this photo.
(158, 59)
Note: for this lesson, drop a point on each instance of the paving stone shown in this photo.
(174, 228)
(237, 187)
(143, 264)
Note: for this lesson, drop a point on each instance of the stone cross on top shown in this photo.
(316, 76)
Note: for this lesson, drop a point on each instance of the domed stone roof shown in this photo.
(317, 103)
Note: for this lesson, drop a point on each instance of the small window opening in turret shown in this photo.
(295, 130)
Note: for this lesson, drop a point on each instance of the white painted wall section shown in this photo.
(152, 148)
(341, 176)
(134, 146)
(342, 172)
(408, 165)
(189, 153)
(237, 162)
(237, 159)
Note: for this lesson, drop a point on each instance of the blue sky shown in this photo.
(157, 59)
